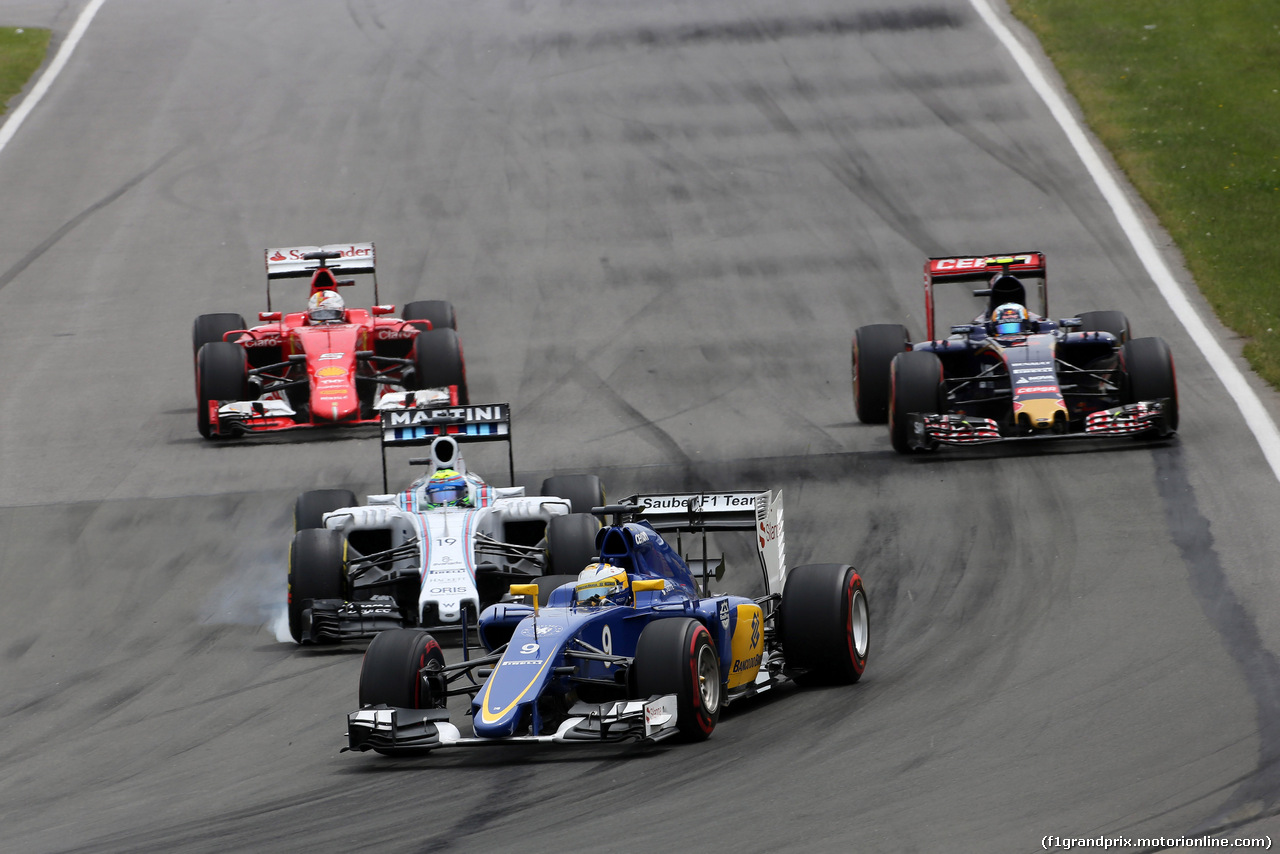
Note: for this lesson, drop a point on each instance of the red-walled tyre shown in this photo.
(676, 655)
(392, 664)
(1149, 374)
(915, 387)
(874, 347)
(825, 624)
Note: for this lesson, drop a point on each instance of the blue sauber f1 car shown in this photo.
(636, 647)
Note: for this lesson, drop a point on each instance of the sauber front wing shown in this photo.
(387, 729)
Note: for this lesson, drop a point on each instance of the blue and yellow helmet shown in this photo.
(603, 584)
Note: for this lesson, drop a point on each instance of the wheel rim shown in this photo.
(708, 679)
(859, 624)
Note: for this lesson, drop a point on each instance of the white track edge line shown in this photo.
(1250, 405)
(18, 116)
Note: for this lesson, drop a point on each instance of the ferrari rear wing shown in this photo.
(485, 422)
(702, 512)
(1026, 266)
(299, 262)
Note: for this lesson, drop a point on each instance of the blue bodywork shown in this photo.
(543, 657)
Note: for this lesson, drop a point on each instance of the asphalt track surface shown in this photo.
(660, 223)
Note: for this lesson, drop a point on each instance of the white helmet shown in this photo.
(326, 307)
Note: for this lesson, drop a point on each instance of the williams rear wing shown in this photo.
(702, 512)
(1027, 266)
(301, 262)
(485, 422)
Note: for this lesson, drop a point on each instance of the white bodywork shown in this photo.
(446, 557)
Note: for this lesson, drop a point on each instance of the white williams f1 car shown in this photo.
(435, 554)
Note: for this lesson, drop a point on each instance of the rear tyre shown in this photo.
(209, 328)
(440, 312)
(389, 674)
(220, 375)
(824, 623)
(676, 655)
(873, 350)
(1149, 374)
(583, 491)
(915, 387)
(310, 507)
(438, 363)
(571, 543)
(317, 570)
(1106, 321)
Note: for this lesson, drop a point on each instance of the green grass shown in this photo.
(22, 49)
(1184, 93)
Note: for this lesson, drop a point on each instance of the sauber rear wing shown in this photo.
(484, 422)
(700, 512)
(298, 262)
(1027, 266)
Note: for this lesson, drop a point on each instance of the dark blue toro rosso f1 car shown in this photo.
(1011, 374)
(636, 647)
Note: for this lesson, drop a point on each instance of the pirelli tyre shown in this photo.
(391, 673)
(1114, 322)
(915, 387)
(209, 328)
(873, 350)
(220, 375)
(547, 584)
(317, 570)
(310, 507)
(438, 362)
(676, 655)
(571, 543)
(824, 624)
(438, 311)
(1147, 364)
(583, 491)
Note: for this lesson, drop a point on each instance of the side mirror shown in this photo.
(651, 584)
(269, 316)
(382, 310)
(530, 590)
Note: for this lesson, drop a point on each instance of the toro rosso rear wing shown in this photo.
(484, 422)
(701, 512)
(300, 262)
(1027, 266)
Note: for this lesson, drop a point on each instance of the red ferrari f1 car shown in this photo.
(1011, 374)
(327, 366)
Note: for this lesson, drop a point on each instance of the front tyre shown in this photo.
(317, 570)
(825, 623)
(391, 672)
(676, 655)
(915, 388)
(220, 375)
(310, 507)
(1149, 375)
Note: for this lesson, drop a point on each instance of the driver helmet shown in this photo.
(603, 584)
(326, 307)
(448, 488)
(1010, 319)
